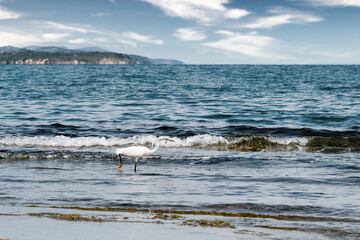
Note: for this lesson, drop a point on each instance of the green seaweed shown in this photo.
(248, 232)
(279, 228)
(38, 214)
(249, 143)
(330, 232)
(254, 144)
(15, 156)
(333, 144)
(69, 217)
(333, 232)
(209, 213)
(166, 217)
(246, 144)
(208, 223)
(173, 215)
(259, 143)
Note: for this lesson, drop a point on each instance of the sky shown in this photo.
(192, 31)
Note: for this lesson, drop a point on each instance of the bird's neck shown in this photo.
(155, 147)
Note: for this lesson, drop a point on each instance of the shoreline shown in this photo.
(136, 223)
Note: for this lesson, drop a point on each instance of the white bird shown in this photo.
(137, 152)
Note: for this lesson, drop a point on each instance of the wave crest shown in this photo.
(201, 141)
(221, 143)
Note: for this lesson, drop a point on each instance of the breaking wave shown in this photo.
(201, 141)
(221, 143)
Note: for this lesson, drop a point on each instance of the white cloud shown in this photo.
(236, 13)
(25, 39)
(226, 33)
(100, 14)
(189, 34)
(54, 36)
(285, 16)
(336, 3)
(102, 40)
(78, 41)
(141, 38)
(247, 44)
(113, 1)
(7, 14)
(15, 39)
(204, 11)
(60, 26)
(127, 42)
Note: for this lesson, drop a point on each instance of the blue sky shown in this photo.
(193, 31)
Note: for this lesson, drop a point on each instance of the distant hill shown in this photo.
(32, 57)
(140, 59)
(52, 49)
(63, 55)
(12, 49)
(93, 49)
(145, 60)
(166, 61)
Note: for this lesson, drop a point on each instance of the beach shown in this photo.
(47, 223)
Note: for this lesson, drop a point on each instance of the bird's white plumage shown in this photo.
(137, 152)
(133, 152)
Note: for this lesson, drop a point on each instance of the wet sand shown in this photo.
(64, 223)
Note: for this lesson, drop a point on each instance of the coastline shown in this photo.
(96, 223)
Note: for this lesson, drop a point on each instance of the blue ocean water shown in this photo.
(180, 100)
(246, 138)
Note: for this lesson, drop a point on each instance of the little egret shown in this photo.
(137, 152)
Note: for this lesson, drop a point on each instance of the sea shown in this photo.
(275, 147)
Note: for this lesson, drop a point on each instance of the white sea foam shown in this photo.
(92, 142)
(301, 141)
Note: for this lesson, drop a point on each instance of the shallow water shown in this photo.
(246, 139)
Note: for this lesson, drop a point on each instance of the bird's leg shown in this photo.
(135, 164)
(120, 165)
